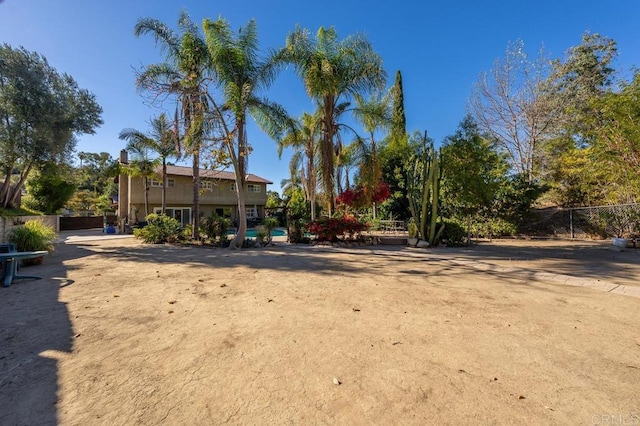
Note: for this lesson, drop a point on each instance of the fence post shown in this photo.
(571, 222)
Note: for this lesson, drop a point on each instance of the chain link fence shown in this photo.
(605, 221)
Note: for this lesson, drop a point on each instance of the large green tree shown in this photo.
(473, 172)
(96, 171)
(398, 118)
(242, 73)
(184, 75)
(50, 189)
(333, 70)
(394, 153)
(615, 128)
(577, 86)
(41, 114)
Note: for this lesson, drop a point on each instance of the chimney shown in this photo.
(124, 157)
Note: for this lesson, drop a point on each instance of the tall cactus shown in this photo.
(424, 175)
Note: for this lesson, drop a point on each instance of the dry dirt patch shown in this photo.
(123, 333)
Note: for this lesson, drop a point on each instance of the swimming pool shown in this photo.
(251, 232)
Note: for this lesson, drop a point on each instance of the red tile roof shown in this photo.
(212, 174)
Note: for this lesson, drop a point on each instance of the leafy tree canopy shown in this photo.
(41, 113)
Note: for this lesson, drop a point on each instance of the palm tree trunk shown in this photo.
(164, 185)
(195, 211)
(326, 151)
(146, 196)
(240, 172)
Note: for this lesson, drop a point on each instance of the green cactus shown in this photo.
(424, 176)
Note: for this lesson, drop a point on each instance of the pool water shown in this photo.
(251, 232)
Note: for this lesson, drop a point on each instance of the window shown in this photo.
(254, 188)
(251, 213)
(158, 183)
(233, 187)
(181, 214)
(206, 185)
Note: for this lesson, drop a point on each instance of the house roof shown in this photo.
(212, 174)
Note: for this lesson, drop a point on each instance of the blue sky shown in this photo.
(440, 47)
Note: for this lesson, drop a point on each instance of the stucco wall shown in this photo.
(182, 194)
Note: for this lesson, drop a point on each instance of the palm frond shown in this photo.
(164, 37)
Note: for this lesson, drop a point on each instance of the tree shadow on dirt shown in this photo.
(592, 261)
(278, 258)
(34, 333)
(589, 261)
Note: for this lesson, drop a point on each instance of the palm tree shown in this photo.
(141, 164)
(333, 71)
(294, 182)
(373, 114)
(242, 73)
(304, 139)
(184, 75)
(162, 140)
(345, 162)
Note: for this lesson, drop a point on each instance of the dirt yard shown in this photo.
(515, 332)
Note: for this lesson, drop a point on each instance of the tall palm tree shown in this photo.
(161, 140)
(242, 73)
(304, 139)
(141, 164)
(184, 74)
(333, 71)
(373, 114)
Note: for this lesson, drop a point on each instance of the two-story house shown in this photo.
(217, 194)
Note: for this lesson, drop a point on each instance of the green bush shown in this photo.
(454, 233)
(215, 228)
(493, 227)
(33, 236)
(159, 229)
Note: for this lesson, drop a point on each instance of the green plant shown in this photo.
(296, 231)
(215, 228)
(34, 235)
(424, 192)
(412, 228)
(268, 225)
(493, 227)
(621, 223)
(263, 236)
(159, 229)
(453, 233)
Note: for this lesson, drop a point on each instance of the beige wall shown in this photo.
(181, 195)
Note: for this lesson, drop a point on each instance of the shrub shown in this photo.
(159, 229)
(332, 229)
(296, 231)
(454, 233)
(215, 228)
(33, 236)
(493, 227)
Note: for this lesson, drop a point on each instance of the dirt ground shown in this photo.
(508, 332)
